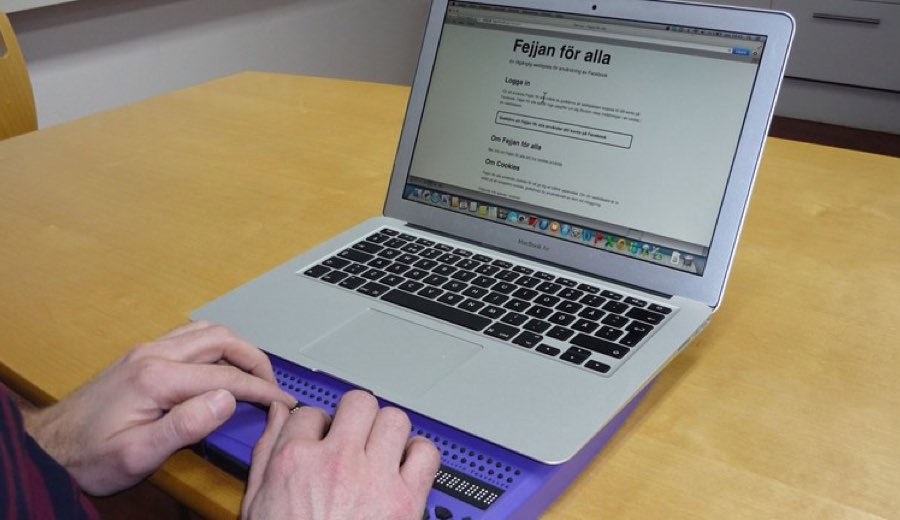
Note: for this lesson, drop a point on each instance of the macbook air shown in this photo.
(565, 203)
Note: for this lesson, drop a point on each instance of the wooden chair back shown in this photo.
(17, 110)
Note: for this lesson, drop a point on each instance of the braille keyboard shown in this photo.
(575, 322)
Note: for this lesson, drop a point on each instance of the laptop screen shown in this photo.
(610, 133)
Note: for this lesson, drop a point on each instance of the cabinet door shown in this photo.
(853, 42)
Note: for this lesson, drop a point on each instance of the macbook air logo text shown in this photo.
(533, 245)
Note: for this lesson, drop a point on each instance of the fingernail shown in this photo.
(221, 403)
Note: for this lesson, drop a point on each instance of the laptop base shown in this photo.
(477, 480)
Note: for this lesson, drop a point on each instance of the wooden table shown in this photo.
(114, 227)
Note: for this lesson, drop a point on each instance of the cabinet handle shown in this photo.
(844, 18)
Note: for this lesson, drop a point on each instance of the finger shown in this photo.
(185, 424)
(262, 453)
(353, 419)
(420, 466)
(187, 327)
(307, 423)
(203, 342)
(181, 381)
(388, 438)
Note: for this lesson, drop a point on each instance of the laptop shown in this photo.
(565, 203)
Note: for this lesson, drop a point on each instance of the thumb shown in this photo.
(192, 420)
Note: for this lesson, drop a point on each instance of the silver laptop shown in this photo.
(566, 199)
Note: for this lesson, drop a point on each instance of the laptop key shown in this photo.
(373, 289)
(570, 294)
(352, 282)
(549, 287)
(525, 294)
(444, 270)
(561, 318)
(436, 309)
(611, 295)
(609, 333)
(504, 287)
(588, 288)
(560, 333)
(463, 276)
(496, 298)
(507, 276)
(475, 292)
(391, 280)
(431, 254)
(472, 305)
(539, 312)
(373, 274)
(652, 318)
(569, 307)
(517, 305)
(334, 276)
(593, 300)
(546, 300)
(529, 282)
(501, 331)
(379, 263)
(451, 298)
(597, 366)
(336, 263)
(492, 311)
(615, 307)
(355, 255)
(632, 338)
(591, 314)
(411, 286)
(659, 308)
(355, 268)
(544, 348)
(390, 254)
(435, 279)
(367, 247)
(430, 292)
(514, 318)
(614, 320)
(316, 271)
(576, 355)
(536, 325)
(600, 346)
(528, 339)
(585, 326)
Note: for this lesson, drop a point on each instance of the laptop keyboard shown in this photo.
(574, 322)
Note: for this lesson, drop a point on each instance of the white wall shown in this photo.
(92, 55)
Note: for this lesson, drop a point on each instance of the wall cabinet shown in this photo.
(843, 65)
(851, 42)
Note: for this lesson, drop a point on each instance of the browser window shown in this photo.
(562, 124)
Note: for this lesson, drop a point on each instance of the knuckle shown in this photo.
(147, 372)
(395, 418)
(359, 398)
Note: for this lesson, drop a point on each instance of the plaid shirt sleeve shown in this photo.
(32, 484)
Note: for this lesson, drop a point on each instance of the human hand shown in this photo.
(158, 398)
(360, 466)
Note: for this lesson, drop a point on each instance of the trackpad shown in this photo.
(389, 355)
